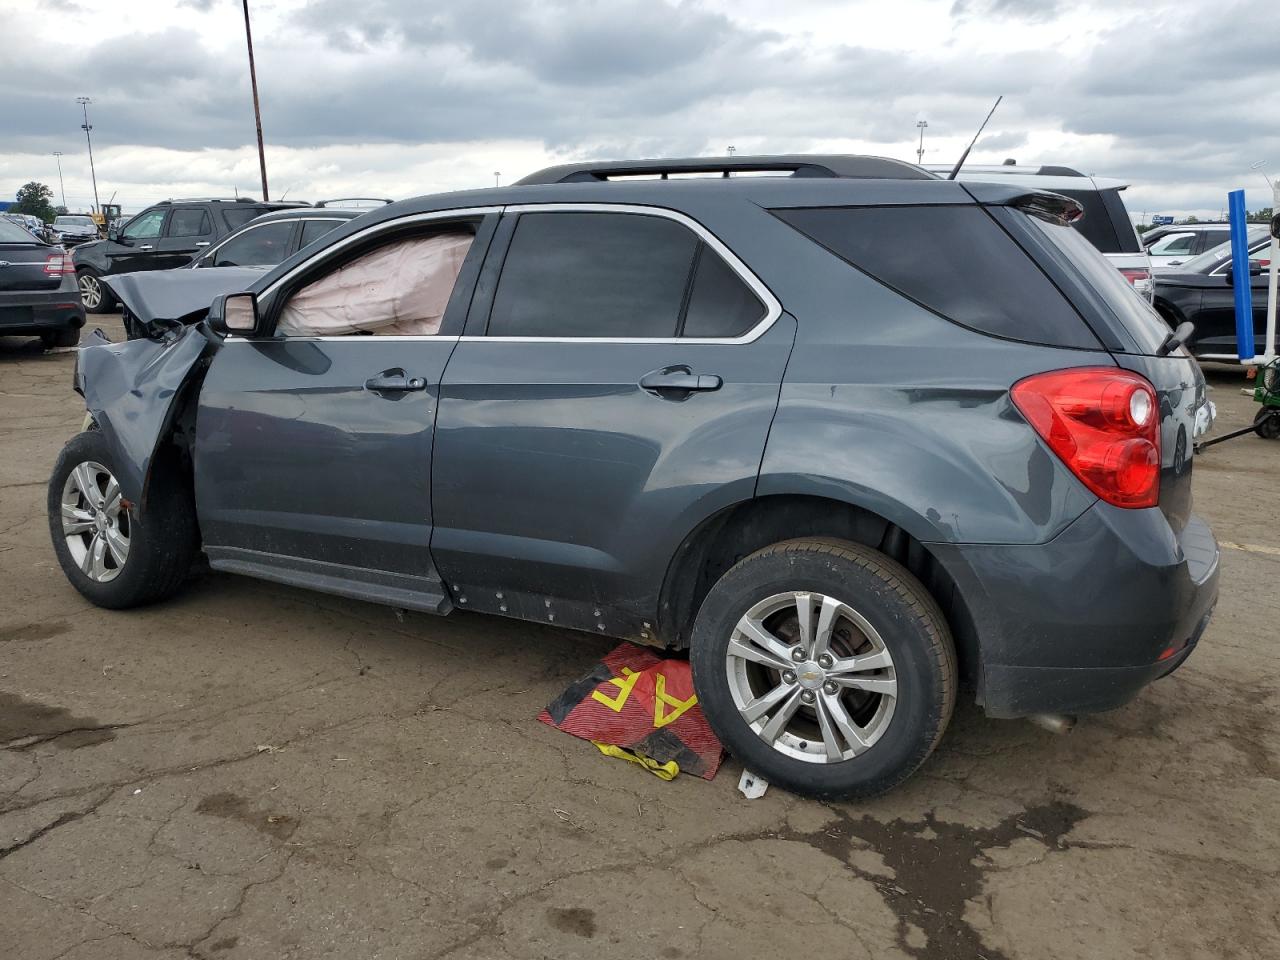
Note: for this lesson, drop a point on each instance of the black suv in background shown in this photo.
(171, 233)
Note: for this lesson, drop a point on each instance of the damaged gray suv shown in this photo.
(854, 436)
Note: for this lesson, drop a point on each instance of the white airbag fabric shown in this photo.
(399, 290)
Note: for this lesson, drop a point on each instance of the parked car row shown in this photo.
(38, 294)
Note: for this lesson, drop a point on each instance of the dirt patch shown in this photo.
(34, 631)
(228, 806)
(578, 921)
(937, 867)
(26, 723)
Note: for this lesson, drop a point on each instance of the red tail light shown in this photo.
(1104, 424)
(1134, 274)
(58, 264)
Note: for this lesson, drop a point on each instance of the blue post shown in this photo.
(1240, 269)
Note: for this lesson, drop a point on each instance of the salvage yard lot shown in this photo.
(252, 771)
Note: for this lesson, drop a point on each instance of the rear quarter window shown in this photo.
(954, 260)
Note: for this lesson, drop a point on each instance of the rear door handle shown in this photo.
(394, 381)
(680, 380)
(202, 243)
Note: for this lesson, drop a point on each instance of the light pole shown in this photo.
(257, 112)
(921, 124)
(61, 185)
(86, 127)
(496, 175)
(732, 151)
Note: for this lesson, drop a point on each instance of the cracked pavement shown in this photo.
(252, 771)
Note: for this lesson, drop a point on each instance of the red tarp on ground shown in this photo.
(635, 699)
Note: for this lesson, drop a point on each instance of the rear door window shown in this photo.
(574, 275)
(954, 260)
(313, 230)
(262, 246)
(1173, 245)
(189, 222)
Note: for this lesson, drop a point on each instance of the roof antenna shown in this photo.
(965, 156)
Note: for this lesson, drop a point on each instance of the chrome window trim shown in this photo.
(1221, 269)
(254, 226)
(773, 308)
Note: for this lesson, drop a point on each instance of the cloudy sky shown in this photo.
(403, 97)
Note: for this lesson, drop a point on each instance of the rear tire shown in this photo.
(114, 557)
(93, 294)
(867, 705)
(69, 337)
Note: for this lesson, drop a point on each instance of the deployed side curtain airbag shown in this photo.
(397, 290)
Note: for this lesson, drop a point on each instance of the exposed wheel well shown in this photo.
(724, 539)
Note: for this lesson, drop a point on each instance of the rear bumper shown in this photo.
(32, 311)
(1082, 623)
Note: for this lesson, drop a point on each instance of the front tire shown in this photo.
(825, 667)
(114, 557)
(93, 294)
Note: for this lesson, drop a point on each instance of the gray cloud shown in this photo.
(1180, 101)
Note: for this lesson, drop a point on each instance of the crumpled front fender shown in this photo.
(132, 390)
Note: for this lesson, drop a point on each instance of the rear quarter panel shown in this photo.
(894, 409)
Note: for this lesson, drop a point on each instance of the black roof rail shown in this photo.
(284, 203)
(325, 203)
(838, 166)
(1050, 170)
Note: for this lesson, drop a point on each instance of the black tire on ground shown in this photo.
(1266, 423)
(163, 542)
(898, 607)
(106, 299)
(68, 337)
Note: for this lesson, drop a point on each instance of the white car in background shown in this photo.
(1170, 246)
(1106, 223)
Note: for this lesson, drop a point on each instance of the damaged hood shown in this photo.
(132, 390)
(168, 297)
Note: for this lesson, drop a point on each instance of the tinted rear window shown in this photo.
(10, 232)
(956, 261)
(1138, 316)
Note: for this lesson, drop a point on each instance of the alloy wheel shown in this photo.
(95, 522)
(811, 676)
(90, 291)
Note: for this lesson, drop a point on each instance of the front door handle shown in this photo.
(679, 380)
(394, 381)
(145, 246)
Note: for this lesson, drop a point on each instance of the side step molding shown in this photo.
(426, 594)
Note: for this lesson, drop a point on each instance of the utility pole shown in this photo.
(86, 127)
(61, 185)
(497, 174)
(921, 124)
(257, 111)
